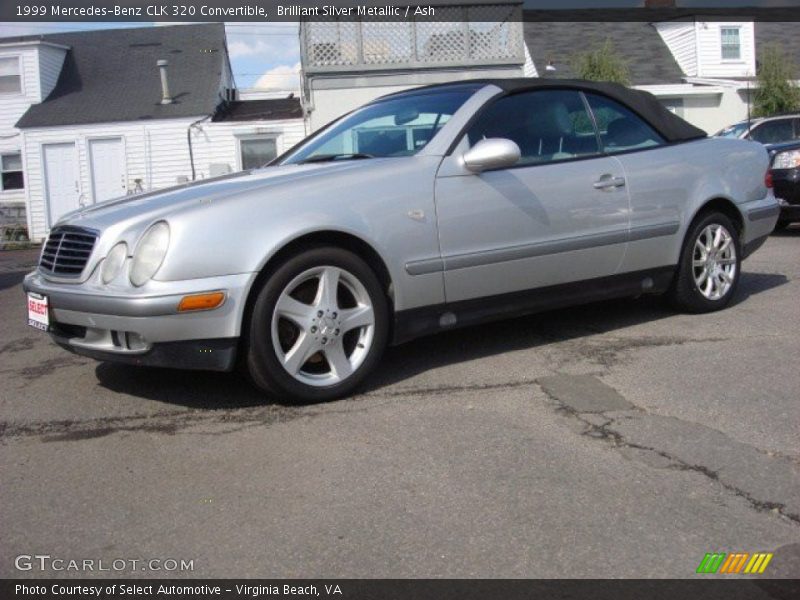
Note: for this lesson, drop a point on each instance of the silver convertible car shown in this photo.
(425, 210)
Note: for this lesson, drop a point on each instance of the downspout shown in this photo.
(189, 140)
(749, 110)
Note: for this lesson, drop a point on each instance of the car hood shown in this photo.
(163, 203)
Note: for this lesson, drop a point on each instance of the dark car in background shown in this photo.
(785, 173)
(766, 130)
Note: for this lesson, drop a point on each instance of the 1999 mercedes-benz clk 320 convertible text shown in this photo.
(424, 210)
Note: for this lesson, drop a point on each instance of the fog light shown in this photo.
(136, 341)
(201, 301)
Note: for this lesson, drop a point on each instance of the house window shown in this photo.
(731, 44)
(10, 79)
(11, 166)
(257, 152)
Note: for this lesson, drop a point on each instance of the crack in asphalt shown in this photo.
(19, 345)
(602, 432)
(173, 422)
(164, 422)
(606, 350)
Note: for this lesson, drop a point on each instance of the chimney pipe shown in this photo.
(165, 97)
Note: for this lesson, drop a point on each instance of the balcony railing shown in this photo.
(478, 35)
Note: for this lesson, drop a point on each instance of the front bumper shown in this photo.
(144, 326)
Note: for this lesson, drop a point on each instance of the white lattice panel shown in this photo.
(386, 42)
(460, 35)
(332, 43)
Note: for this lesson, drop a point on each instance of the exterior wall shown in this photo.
(218, 143)
(710, 108)
(156, 153)
(13, 106)
(714, 112)
(333, 96)
(709, 50)
(50, 62)
(697, 47)
(681, 39)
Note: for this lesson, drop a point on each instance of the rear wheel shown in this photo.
(709, 267)
(319, 326)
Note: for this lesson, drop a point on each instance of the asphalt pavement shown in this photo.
(612, 440)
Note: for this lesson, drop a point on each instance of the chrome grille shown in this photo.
(67, 251)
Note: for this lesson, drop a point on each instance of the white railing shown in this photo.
(461, 36)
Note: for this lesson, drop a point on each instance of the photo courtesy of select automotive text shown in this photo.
(398, 300)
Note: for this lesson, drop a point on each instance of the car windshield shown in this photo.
(396, 126)
(734, 131)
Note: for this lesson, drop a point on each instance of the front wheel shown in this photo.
(319, 326)
(709, 267)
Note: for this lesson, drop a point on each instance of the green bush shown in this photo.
(776, 93)
(602, 63)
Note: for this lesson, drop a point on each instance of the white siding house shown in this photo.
(100, 125)
(28, 72)
(718, 59)
(141, 157)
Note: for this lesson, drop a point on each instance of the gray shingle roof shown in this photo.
(111, 75)
(649, 59)
(270, 109)
(785, 35)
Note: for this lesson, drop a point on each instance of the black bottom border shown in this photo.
(743, 588)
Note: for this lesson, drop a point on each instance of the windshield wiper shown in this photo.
(332, 157)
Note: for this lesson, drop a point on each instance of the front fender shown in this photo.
(388, 205)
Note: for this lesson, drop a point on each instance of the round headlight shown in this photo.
(149, 253)
(113, 262)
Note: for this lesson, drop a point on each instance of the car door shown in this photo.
(560, 215)
(659, 181)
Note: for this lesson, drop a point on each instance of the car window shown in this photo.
(547, 125)
(394, 126)
(773, 132)
(620, 128)
(734, 131)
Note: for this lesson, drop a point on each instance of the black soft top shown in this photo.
(670, 126)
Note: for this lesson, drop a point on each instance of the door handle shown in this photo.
(607, 182)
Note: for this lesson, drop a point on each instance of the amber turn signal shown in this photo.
(201, 301)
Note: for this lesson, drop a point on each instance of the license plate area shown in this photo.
(38, 312)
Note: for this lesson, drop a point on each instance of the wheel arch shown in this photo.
(724, 205)
(339, 239)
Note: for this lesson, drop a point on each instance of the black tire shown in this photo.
(260, 357)
(684, 293)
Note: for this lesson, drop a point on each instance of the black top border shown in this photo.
(276, 11)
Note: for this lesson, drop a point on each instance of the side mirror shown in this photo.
(491, 153)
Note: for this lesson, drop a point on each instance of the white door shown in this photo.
(61, 179)
(107, 159)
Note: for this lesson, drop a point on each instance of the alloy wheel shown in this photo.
(714, 262)
(323, 326)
